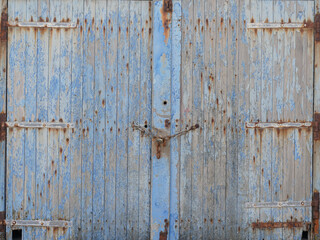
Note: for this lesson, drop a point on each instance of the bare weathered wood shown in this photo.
(279, 125)
(63, 25)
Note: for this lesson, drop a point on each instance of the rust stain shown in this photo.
(272, 225)
(166, 16)
(3, 25)
(164, 234)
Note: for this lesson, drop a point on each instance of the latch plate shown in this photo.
(3, 131)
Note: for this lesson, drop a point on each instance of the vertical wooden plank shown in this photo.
(54, 152)
(88, 129)
(76, 118)
(145, 118)
(111, 119)
(65, 116)
(278, 89)
(210, 111)
(99, 118)
(300, 115)
(16, 111)
(43, 181)
(134, 112)
(161, 107)
(289, 110)
(266, 115)
(231, 119)
(122, 121)
(31, 114)
(175, 121)
(220, 167)
(254, 142)
(197, 118)
(244, 156)
(309, 108)
(3, 106)
(186, 117)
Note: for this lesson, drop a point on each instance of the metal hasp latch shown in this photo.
(316, 126)
(3, 27)
(317, 27)
(2, 221)
(315, 212)
(3, 119)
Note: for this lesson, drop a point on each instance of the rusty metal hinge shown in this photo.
(4, 26)
(315, 212)
(3, 131)
(2, 221)
(317, 27)
(316, 126)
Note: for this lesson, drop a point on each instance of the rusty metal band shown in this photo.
(38, 223)
(41, 24)
(278, 26)
(270, 225)
(278, 204)
(54, 125)
(278, 125)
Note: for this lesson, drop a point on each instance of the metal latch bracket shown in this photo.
(3, 26)
(317, 27)
(3, 132)
(316, 126)
(315, 212)
(2, 222)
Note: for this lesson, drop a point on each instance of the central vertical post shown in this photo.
(161, 118)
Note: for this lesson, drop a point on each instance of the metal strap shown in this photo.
(41, 24)
(278, 204)
(56, 125)
(38, 223)
(278, 26)
(278, 125)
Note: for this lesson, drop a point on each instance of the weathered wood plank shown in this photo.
(76, 117)
(87, 118)
(122, 121)
(186, 117)
(175, 122)
(289, 111)
(134, 113)
(54, 150)
(278, 141)
(65, 116)
(16, 111)
(221, 93)
(231, 121)
(161, 113)
(197, 118)
(31, 113)
(210, 111)
(266, 144)
(145, 118)
(254, 142)
(43, 182)
(111, 119)
(100, 75)
(244, 156)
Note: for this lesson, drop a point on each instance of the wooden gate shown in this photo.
(163, 119)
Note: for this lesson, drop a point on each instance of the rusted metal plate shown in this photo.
(315, 212)
(317, 27)
(271, 225)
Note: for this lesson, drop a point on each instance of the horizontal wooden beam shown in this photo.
(37, 223)
(279, 26)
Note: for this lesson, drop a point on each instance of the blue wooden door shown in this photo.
(182, 119)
